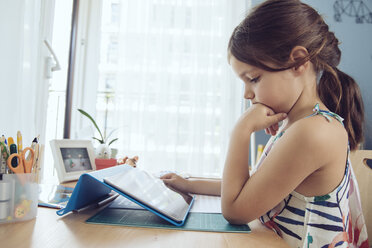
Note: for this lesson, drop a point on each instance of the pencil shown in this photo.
(19, 142)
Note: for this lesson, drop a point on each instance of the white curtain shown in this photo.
(24, 92)
(164, 81)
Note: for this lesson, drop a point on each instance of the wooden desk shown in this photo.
(50, 230)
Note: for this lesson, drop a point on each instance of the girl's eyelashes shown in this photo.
(247, 79)
(255, 80)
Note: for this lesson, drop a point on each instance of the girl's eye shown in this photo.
(255, 80)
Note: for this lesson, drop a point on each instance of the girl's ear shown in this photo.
(299, 54)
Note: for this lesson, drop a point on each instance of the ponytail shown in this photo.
(341, 94)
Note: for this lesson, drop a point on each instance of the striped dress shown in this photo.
(332, 220)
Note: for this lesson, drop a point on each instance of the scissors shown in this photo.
(24, 165)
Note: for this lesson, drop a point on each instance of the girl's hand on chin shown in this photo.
(259, 117)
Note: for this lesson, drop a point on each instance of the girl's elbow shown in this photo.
(236, 217)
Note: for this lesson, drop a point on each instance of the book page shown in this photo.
(206, 204)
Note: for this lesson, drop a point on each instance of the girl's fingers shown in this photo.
(166, 181)
(167, 176)
(272, 131)
(276, 126)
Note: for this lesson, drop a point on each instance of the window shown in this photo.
(57, 86)
(156, 72)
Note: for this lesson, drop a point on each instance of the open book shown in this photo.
(151, 193)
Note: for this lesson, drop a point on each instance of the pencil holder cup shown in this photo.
(18, 197)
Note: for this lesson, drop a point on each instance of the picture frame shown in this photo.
(72, 158)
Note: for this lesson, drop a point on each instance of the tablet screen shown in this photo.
(151, 191)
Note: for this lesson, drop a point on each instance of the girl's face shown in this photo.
(277, 90)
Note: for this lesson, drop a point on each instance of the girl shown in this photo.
(303, 187)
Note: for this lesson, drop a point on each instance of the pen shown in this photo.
(2, 167)
(107, 200)
(33, 146)
(3, 139)
(37, 162)
(36, 165)
(3, 157)
(19, 142)
(4, 151)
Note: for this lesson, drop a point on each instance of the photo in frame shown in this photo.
(72, 158)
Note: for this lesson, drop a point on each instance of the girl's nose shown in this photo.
(248, 94)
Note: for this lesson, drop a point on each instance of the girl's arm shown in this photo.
(236, 173)
(205, 186)
(308, 146)
(193, 186)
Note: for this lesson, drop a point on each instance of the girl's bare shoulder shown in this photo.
(319, 134)
(319, 125)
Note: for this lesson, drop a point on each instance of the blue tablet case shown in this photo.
(91, 188)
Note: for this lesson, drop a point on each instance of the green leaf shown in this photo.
(112, 141)
(112, 131)
(94, 123)
(100, 141)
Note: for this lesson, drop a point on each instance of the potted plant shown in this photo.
(104, 155)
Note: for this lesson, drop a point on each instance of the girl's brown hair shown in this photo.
(268, 35)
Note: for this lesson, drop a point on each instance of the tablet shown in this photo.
(151, 192)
